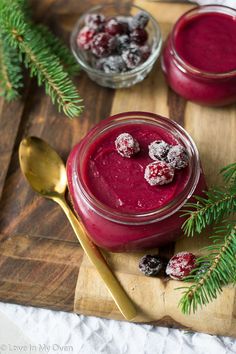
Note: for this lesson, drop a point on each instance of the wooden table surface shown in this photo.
(41, 263)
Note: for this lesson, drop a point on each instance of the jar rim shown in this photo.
(181, 63)
(153, 215)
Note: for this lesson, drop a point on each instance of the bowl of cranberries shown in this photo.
(116, 44)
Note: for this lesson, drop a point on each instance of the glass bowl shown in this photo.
(124, 79)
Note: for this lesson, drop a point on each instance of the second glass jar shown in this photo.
(191, 82)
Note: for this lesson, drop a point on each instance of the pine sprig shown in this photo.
(218, 203)
(220, 270)
(218, 267)
(22, 35)
(10, 72)
(60, 50)
(229, 174)
(57, 83)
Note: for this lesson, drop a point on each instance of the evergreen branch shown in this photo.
(60, 50)
(229, 174)
(57, 82)
(21, 34)
(218, 204)
(22, 4)
(220, 271)
(10, 71)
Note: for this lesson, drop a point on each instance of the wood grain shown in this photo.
(156, 299)
(39, 271)
(9, 123)
(41, 263)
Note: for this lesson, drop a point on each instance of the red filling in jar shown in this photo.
(199, 57)
(121, 211)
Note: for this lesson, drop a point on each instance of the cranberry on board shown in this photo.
(159, 173)
(181, 265)
(85, 37)
(150, 265)
(102, 44)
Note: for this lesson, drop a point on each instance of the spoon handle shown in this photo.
(120, 297)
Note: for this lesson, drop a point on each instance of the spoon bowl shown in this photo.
(46, 173)
(42, 167)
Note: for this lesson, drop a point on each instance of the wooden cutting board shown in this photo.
(41, 263)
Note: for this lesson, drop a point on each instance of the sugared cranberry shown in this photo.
(158, 173)
(95, 21)
(114, 27)
(178, 157)
(124, 21)
(85, 37)
(132, 57)
(150, 265)
(111, 64)
(126, 145)
(102, 44)
(145, 52)
(139, 36)
(123, 43)
(140, 20)
(158, 150)
(181, 265)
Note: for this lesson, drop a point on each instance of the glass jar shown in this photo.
(114, 229)
(204, 87)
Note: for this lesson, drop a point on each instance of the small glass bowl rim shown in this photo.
(132, 72)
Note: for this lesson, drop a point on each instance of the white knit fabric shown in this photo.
(62, 332)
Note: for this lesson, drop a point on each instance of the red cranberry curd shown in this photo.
(119, 182)
(199, 55)
(119, 208)
(208, 42)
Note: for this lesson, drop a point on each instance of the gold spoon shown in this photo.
(46, 173)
